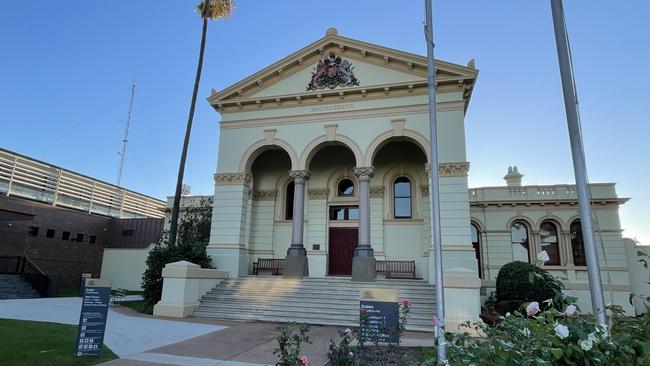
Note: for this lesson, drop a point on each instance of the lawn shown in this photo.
(137, 305)
(47, 344)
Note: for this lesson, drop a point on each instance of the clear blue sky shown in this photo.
(66, 66)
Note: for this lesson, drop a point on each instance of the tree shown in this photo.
(208, 10)
(193, 238)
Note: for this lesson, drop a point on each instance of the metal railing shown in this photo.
(19, 265)
(22, 176)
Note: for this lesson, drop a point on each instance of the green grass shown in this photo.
(67, 293)
(137, 305)
(42, 344)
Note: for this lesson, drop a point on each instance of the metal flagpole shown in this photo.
(578, 154)
(434, 190)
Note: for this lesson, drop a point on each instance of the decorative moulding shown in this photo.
(224, 179)
(455, 168)
(318, 194)
(265, 195)
(376, 192)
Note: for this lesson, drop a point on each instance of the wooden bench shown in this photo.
(391, 267)
(264, 264)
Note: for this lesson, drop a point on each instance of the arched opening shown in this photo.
(577, 244)
(331, 168)
(550, 242)
(345, 188)
(288, 200)
(269, 172)
(520, 241)
(401, 163)
(402, 198)
(476, 244)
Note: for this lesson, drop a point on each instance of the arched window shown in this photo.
(550, 243)
(577, 244)
(476, 243)
(519, 237)
(288, 201)
(345, 188)
(402, 198)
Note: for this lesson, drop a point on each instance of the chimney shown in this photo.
(513, 178)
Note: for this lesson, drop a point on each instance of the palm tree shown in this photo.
(208, 10)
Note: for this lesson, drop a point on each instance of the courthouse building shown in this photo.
(324, 160)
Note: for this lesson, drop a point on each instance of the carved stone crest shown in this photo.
(331, 72)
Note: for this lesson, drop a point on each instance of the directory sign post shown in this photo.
(379, 315)
(92, 321)
(82, 282)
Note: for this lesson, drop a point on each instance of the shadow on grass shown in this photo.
(42, 344)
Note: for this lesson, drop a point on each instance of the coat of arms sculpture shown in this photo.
(332, 72)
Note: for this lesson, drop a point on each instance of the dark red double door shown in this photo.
(343, 240)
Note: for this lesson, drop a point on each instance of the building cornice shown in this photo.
(348, 48)
(340, 115)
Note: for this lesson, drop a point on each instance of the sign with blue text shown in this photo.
(92, 321)
(379, 315)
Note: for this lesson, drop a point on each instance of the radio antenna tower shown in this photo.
(125, 140)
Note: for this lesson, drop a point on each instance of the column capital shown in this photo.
(364, 172)
(299, 176)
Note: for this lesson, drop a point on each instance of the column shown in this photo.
(295, 264)
(363, 263)
(228, 246)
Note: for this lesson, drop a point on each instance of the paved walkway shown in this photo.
(141, 340)
(125, 335)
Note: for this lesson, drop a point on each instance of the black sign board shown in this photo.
(379, 315)
(92, 321)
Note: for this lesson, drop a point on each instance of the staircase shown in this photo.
(324, 301)
(13, 286)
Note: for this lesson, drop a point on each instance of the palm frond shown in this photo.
(215, 9)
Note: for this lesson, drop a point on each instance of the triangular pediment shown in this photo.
(366, 66)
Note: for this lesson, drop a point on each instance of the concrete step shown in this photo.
(326, 301)
(15, 287)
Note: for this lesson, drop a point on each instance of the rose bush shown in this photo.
(551, 337)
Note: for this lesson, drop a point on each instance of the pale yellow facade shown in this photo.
(274, 129)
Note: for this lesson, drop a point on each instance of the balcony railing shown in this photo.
(25, 177)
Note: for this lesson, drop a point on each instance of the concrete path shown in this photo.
(125, 335)
(141, 340)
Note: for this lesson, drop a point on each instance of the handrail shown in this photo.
(36, 277)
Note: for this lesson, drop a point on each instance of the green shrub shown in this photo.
(520, 282)
(551, 338)
(193, 237)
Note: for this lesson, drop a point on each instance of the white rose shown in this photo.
(561, 330)
(571, 309)
(586, 344)
(543, 256)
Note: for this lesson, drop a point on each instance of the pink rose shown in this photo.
(348, 332)
(405, 302)
(304, 361)
(350, 354)
(532, 308)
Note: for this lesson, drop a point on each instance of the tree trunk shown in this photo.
(181, 168)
